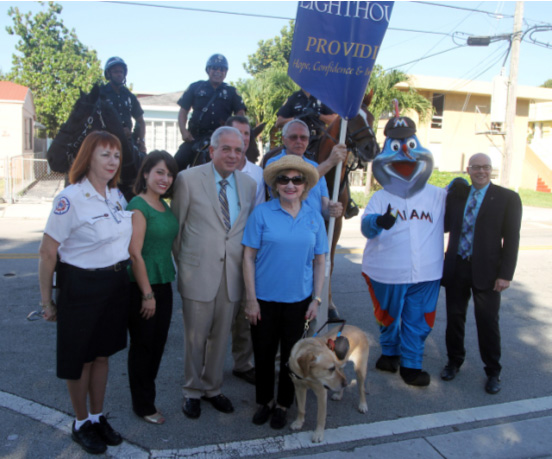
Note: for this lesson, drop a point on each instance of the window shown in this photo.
(438, 102)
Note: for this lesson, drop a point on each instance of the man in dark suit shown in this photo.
(484, 222)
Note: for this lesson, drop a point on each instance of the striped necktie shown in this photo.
(224, 204)
(468, 225)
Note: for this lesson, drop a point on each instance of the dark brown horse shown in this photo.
(362, 147)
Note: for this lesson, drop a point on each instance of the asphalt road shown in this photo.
(35, 411)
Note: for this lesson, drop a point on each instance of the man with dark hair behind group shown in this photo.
(211, 102)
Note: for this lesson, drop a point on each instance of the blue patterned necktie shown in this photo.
(224, 204)
(468, 225)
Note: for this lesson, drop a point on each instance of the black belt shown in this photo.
(116, 267)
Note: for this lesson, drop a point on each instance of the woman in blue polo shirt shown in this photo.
(283, 264)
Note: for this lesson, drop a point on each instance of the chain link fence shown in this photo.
(24, 178)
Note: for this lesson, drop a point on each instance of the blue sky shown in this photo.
(166, 49)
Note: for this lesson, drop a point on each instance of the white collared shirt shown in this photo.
(256, 173)
(93, 231)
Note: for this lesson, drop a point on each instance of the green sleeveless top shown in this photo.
(161, 229)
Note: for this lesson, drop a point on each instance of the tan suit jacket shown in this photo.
(202, 246)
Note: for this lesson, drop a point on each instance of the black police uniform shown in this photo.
(299, 104)
(211, 108)
(124, 102)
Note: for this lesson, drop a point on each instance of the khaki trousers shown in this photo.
(206, 332)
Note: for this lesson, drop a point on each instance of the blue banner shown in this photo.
(335, 46)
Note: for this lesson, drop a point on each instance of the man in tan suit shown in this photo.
(212, 203)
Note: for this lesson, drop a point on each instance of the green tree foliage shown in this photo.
(547, 84)
(52, 62)
(273, 52)
(383, 83)
(265, 94)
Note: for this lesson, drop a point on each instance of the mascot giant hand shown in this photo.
(403, 257)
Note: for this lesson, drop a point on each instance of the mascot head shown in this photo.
(404, 166)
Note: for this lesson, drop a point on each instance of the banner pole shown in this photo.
(323, 311)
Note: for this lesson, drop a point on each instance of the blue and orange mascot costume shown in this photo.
(403, 257)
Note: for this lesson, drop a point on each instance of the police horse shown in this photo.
(92, 113)
(362, 147)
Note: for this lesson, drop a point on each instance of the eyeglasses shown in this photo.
(302, 138)
(284, 180)
(485, 168)
(220, 69)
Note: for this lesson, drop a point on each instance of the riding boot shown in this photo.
(352, 209)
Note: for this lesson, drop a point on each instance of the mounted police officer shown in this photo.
(309, 109)
(211, 102)
(125, 103)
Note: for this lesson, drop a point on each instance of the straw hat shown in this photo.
(291, 162)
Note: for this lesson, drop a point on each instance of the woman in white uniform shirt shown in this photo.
(90, 231)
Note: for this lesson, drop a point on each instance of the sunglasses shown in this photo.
(284, 180)
(220, 69)
(302, 138)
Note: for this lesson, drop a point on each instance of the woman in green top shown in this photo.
(154, 228)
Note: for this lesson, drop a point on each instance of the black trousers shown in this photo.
(281, 324)
(486, 309)
(147, 343)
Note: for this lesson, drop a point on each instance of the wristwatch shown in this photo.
(317, 298)
(149, 296)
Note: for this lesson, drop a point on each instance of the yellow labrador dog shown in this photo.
(314, 365)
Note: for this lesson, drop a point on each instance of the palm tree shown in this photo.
(264, 94)
(384, 85)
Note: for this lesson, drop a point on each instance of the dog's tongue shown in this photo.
(404, 168)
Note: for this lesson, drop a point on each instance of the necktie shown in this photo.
(468, 225)
(224, 204)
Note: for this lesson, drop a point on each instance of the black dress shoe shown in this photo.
(493, 385)
(278, 420)
(220, 403)
(449, 372)
(191, 408)
(88, 438)
(247, 376)
(262, 415)
(415, 377)
(106, 432)
(388, 363)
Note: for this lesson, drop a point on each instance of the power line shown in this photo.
(264, 16)
(426, 57)
(201, 10)
(473, 10)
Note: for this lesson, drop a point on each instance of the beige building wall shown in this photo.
(13, 118)
(466, 126)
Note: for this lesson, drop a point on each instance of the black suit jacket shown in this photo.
(495, 240)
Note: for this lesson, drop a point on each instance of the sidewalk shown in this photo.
(42, 210)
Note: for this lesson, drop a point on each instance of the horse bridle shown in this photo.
(88, 123)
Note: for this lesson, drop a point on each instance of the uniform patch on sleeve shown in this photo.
(62, 206)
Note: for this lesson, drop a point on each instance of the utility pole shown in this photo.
(512, 98)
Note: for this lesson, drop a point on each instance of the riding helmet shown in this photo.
(111, 62)
(216, 60)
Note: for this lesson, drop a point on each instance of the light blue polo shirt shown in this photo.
(286, 247)
(314, 199)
